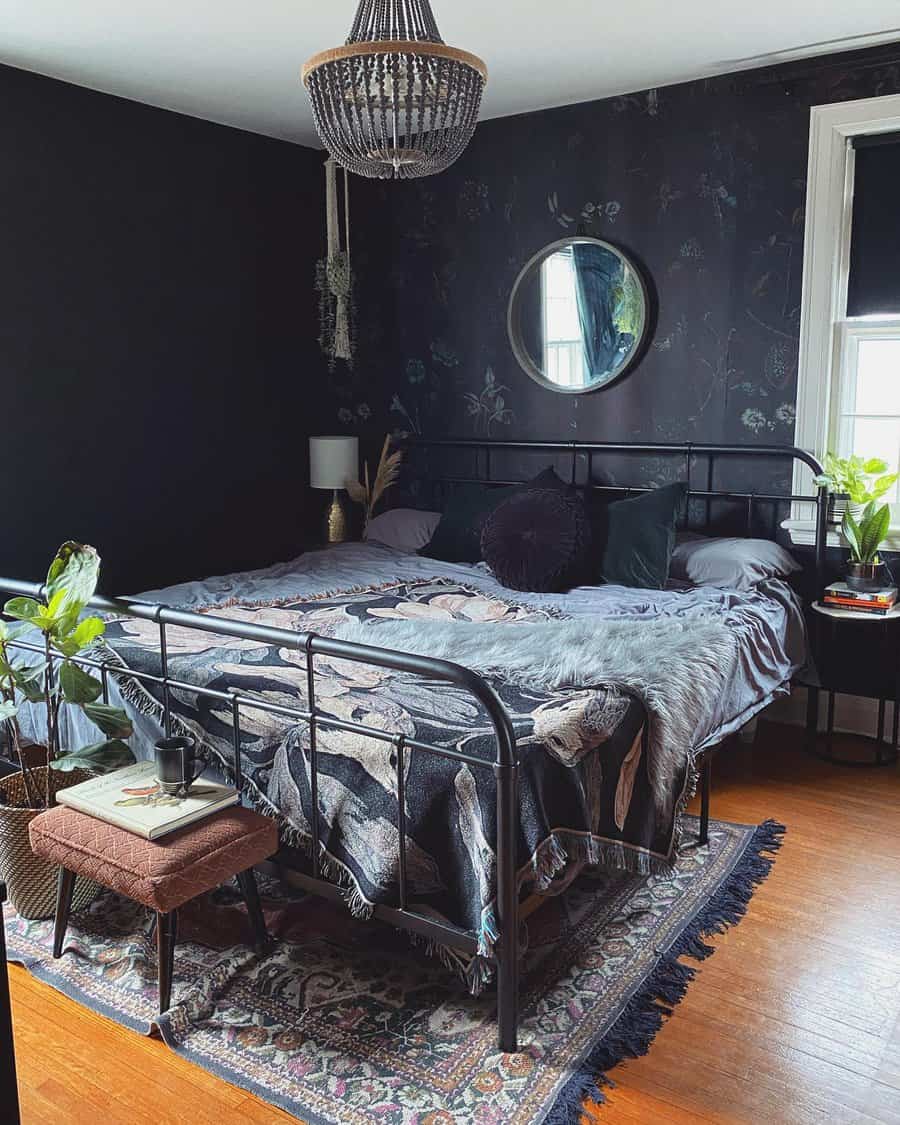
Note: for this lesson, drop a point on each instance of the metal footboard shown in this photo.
(504, 765)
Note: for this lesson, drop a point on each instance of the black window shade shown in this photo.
(874, 283)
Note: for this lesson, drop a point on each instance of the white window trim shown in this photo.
(829, 211)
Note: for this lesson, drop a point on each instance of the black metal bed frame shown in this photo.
(504, 764)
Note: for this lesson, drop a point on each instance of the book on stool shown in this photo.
(132, 799)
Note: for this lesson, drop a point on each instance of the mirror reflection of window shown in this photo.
(565, 362)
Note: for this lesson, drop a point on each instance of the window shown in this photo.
(848, 398)
(867, 418)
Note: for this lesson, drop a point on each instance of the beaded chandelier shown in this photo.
(395, 100)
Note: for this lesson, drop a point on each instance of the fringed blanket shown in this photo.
(588, 792)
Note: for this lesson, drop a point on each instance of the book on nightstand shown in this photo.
(859, 607)
(877, 602)
(131, 798)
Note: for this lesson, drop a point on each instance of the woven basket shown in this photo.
(30, 880)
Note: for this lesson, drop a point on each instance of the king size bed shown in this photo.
(437, 747)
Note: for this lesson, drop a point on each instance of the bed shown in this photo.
(447, 790)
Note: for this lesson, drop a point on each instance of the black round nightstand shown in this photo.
(840, 674)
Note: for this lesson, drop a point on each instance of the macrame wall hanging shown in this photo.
(334, 277)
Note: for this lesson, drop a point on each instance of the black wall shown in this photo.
(704, 183)
(158, 358)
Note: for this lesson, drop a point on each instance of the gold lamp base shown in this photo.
(336, 525)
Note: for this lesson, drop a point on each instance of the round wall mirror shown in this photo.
(577, 316)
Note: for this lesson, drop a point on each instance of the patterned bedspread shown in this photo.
(585, 796)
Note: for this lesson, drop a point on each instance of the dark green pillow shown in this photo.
(457, 538)
(634, 538)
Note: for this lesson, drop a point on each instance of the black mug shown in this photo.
(175, 762)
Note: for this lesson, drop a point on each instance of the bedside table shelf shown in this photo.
(880, 681)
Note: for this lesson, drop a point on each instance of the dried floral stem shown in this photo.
(369, 494)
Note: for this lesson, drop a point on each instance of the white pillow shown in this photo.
(730, 564)
(404, 529)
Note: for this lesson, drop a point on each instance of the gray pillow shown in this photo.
(404, 529)
(729, 564)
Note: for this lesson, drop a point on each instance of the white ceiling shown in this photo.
(238, 61)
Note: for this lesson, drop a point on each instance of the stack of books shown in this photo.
(877, 602)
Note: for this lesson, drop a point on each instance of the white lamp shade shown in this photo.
(333, 461)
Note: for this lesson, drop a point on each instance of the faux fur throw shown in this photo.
(677, 667)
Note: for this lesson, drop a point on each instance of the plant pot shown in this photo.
(837, 505)
(865, 576)
(30, 880)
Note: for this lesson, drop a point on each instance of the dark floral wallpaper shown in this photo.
(702, 183)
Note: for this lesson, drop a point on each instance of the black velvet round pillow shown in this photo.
(536, 540)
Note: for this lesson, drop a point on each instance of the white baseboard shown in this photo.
(852, 714)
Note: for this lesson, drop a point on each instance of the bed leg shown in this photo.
(508, 902)
(705, 779)
(508, 1002)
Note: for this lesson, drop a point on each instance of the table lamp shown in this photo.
(332, 462)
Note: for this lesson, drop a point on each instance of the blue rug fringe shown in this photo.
(642, 1017)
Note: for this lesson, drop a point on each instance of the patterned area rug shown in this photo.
(345, 1022)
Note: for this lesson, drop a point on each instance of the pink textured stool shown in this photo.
(161, 874)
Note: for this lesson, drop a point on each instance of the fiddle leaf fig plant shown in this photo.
(71, 582)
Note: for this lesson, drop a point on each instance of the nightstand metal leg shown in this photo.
(812, 715)
(829, 726)
(879, 746)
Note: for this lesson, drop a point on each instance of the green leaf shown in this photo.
(8, 710)
(874, 528)
(101, 757)
(9, 632)
(850, 530)
(113, 721)
(77, 685)
(25, 609)
(882, 485)
(874, 465)
(857, 491)
(71, 638)
(87, 631)
(55, 604)
(74, 571)
(29, 679)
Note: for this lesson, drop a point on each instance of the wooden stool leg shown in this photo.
(247, 881)
(166, 936)
(64, 887)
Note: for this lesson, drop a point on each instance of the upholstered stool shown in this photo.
(161, 874)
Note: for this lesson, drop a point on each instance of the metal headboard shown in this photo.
(588, 452)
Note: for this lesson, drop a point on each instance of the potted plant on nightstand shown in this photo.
(64, 632)
(852, 483)
(865, 570)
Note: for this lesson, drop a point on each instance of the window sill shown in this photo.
(803, 534)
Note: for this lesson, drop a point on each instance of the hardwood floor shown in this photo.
(795, 1019)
